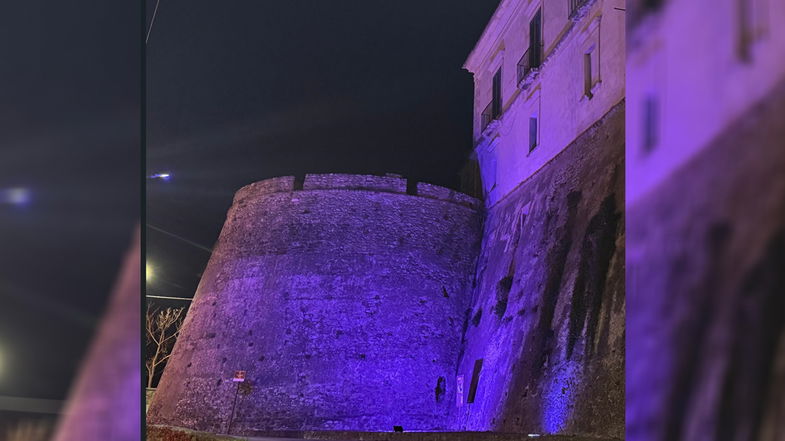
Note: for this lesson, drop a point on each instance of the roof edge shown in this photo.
(470, 64)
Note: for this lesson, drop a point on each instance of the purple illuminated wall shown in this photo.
(344, 301)
(547, 316)
(706, 210)
(706, 289)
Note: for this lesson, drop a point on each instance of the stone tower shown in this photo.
(344, 299)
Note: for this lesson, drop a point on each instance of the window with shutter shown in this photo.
(587, 74)
(532, 133)
(496, 106)
(535, 40)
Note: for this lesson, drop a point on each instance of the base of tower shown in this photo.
(168, 433)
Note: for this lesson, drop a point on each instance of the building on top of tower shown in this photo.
(544, 72)
(684, 92)
(705, 194)
(543, 351)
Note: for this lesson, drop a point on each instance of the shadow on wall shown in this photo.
(706, 291)
(548, 313)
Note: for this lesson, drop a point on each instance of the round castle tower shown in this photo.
(343, 299)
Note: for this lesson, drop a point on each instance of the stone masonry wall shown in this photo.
(547, 318)
(706, 291)
(343, 301)
(165, 433)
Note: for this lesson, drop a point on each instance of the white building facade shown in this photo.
(693, 67)
(705, 198)
(544, 71)
(543, 348)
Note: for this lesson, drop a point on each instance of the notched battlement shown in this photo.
(389, 183)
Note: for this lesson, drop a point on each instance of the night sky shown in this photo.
(247, 90)
(69, 135)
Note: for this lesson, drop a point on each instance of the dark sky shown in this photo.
(70, 134)
(241, 91)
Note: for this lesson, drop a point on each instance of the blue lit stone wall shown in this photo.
(706, 289)
(547, 317)
(344, 301)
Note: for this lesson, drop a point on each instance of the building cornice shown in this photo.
(491, 34)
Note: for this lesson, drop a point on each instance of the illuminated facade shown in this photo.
(549, 298)
(342, 298)
(360, 302)
(684, 92)
(544, 72)
(706, 209)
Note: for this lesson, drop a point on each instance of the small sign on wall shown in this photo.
(239, 376)
(459, 391)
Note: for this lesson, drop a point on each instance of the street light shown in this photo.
(165, 176)
(149, 273)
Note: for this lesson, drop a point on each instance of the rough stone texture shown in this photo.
(436, 192)
(344, 302)
(358, 182)
(547, 316)
(163, 433)
(273, 185)
(707, 291)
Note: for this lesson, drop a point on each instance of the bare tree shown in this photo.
(163, 327)
(39, 430)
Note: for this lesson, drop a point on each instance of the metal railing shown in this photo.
(530, 60)
(486, 116)
(575, 5)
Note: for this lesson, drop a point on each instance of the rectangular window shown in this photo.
(475, 380)
(650, 123)
(744, 38)
(532, 132)
(752, 16)
(587, 74)
(535, 40)
(496, 104)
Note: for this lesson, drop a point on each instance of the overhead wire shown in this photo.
(152, 21)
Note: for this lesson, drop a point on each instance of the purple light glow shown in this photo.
(558, 400)
(15, 196)
(331, 328)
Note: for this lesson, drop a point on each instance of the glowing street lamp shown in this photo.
(165, 176)
(148, 272)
